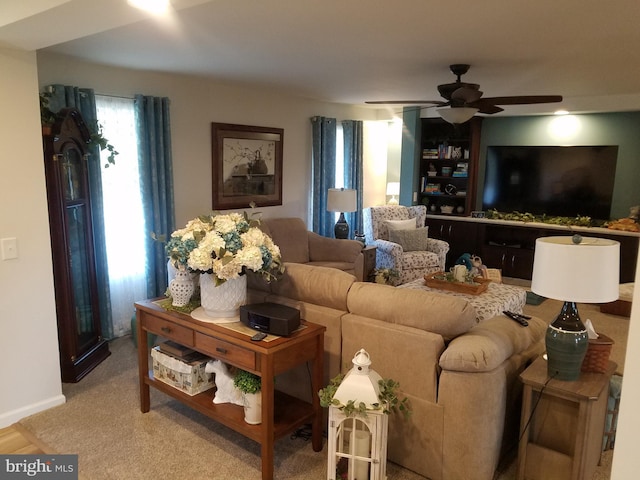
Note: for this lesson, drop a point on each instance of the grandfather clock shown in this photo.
(74, 271)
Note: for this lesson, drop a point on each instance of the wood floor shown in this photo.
(19, 441)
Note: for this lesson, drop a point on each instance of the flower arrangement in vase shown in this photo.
(225, 246)
(222, 248)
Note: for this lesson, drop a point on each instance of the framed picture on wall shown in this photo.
(246, 165)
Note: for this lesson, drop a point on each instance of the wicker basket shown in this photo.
(596, 359)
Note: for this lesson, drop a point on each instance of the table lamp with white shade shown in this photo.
(341, 200)
(393, 189)
(574, 270)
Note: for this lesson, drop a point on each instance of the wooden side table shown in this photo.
(369, 253)
(562, 424)
(281, 413)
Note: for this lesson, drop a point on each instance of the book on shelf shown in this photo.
(175, 349)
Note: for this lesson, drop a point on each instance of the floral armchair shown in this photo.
(412, 253)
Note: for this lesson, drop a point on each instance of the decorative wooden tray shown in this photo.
(437, 280)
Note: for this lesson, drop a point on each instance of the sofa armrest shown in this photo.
(488, 344)
(324, 249)
(439, 247)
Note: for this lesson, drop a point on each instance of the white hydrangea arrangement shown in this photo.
(225, 246)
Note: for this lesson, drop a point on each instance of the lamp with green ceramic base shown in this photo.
(573, 270)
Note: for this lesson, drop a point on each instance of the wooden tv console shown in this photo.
(281, 413)
(509, 245)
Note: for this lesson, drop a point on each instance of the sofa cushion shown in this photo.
(408, 224)
(490, 343)
(290, 235)
(318, 285)
(410, 240)
(442, 314)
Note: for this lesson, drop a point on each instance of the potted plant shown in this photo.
(385, 276)
(48, 118)
(250, 385)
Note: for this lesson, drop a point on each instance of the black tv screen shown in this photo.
(552, 181)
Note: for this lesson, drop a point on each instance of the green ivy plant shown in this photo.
(47, 117)
(390, 402)
(97, 138)
(247, 382)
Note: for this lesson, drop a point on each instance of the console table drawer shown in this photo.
(225, 351)
(170, 330)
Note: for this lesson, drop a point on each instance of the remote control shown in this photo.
(259, 336)
(518, 318)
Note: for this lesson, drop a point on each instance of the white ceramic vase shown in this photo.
(252, 408)
(223, 301)
(181, 288)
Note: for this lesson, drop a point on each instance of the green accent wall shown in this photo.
(622, 129)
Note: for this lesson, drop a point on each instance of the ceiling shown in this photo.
(357, 50)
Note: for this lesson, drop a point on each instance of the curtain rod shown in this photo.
(115, 96)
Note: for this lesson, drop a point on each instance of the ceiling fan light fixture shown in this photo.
(457, 115)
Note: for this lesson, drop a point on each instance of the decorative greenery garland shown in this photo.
(389, 401)
(579, 221)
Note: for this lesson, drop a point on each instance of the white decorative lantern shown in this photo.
(357, 444)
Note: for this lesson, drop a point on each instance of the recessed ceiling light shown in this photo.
(151, 6)
(561, 112)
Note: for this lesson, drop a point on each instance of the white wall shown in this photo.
(195, 103)
(626, 461)
(29, 365)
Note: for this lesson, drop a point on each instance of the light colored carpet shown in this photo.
(102, 423)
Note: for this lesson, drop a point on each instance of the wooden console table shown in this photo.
(562, 424)
(281, 413)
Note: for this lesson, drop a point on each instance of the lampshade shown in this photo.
(341, 200)
(586, 272)
(573, 269)
(457, 114)
(393, 188)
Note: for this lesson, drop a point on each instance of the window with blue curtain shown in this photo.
(123, 216)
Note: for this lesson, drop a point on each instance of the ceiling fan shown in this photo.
(465, 99)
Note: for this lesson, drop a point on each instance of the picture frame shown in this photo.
(246, 166)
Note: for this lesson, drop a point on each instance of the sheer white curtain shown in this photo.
(124, 222)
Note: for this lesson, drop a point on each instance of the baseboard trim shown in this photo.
(13, 416)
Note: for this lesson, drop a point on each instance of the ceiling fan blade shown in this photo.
(466, 94)
(406, 102)
(519, 100)
(488, 109)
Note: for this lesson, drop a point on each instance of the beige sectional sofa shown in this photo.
(461, 377)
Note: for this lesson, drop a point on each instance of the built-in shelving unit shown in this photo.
(448, 165)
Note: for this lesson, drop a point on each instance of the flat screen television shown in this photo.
(551, 180)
